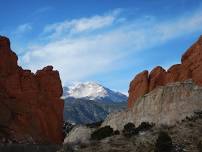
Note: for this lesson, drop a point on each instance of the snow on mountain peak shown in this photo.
(87, 89)
(92, 91)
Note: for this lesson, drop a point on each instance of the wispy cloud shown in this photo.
(82, 24)
(43, 10)
(78, 56)
(74, 58)
(21, 29)
(179, 26)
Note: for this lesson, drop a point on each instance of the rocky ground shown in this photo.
(186, 137)
(28, 148)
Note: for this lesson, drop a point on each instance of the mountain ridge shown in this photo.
(93, 91)
(90, 102)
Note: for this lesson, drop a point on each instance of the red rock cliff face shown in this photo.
(190, 68)
(30, 106)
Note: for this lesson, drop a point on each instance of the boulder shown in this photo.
(79, 134)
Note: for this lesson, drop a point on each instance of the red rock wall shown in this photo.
(190, 68)
(31, 110)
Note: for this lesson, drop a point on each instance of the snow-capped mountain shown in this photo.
(93, 91)
(91, 102)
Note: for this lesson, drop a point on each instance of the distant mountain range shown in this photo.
(91, 102)
(93, 91)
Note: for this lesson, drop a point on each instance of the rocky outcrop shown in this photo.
(164, 105)
(186, 136)
(138, 87)
(190, 68)
(30, 106)
(79, 134)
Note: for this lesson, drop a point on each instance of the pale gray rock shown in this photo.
(165, 105)
(79, 134)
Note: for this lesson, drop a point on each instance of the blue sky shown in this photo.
(107, 41)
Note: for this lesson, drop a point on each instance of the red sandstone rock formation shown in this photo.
(190, 68)
(30, 106)
(138, 87)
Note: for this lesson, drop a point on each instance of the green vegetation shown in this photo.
(101, 133)
(163, 142)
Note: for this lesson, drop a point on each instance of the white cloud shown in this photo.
(79, 56)
(75, 59)
(180, 26)
(23, 28)
(81, 25)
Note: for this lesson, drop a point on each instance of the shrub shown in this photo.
(67, 127)
(163, 142)
(198, 114)
(101, 133)
(116, 132)
(129, 126)
(144, 126)
(199, 146)
(191, 118)
(129, 130)
(94, 125)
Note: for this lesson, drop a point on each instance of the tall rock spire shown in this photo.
(31, 110)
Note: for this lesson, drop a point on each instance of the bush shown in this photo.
(163, 142)
(199, 146)
(144, 126)
(116, 132)
(67, 127)
(94, 125)
(198, 114)
(129, 130)
(101, 133)
(129, 126)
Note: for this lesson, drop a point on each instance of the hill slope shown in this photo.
(83, 111)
